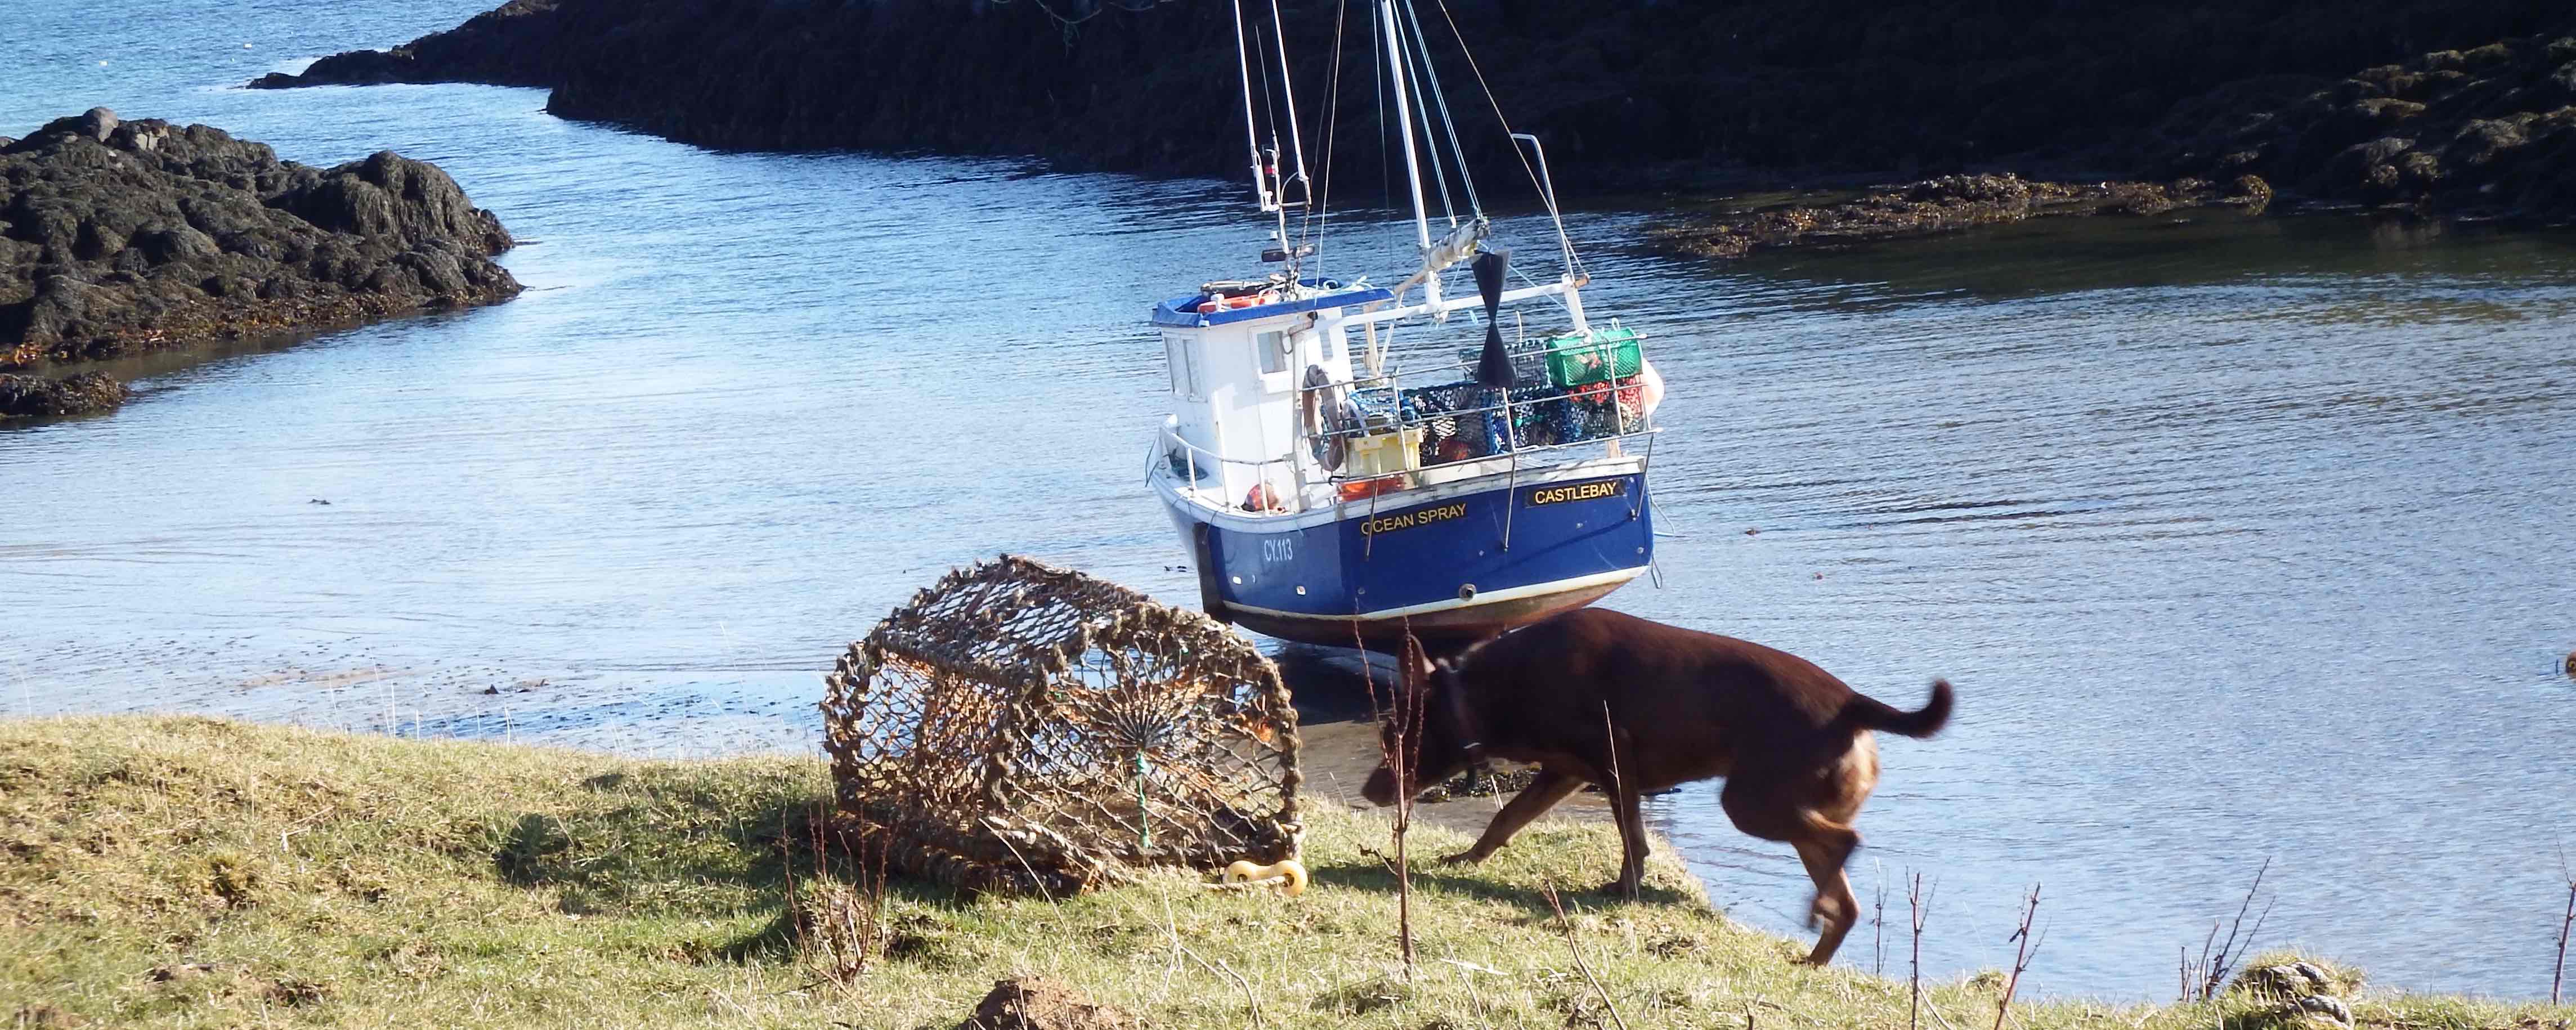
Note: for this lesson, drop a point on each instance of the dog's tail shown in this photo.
(1866, 712)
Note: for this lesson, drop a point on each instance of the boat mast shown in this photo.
(1269, 183)
(1395, 65)
(1464, 239)
(1251, 129)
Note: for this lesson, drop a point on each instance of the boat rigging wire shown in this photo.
(1385, 157)
(1420, 50)
(1574, 263)
(1448, 122)
(1251, 132)
(1552, 298)
(1068, 24)
(1269, 108)
(1319, 214)
(1288, 93)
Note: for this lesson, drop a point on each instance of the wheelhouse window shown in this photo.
(1182, 362)
(1274, 352)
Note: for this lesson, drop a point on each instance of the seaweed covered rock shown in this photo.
(118, 237)
(36, 396)
(1945, 204)
(2491, 130)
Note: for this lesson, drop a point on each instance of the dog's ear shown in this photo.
(1415, 673)
(1416, 665)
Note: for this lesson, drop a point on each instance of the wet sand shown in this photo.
(1338, 741)
(1337, 756)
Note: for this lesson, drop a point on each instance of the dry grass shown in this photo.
(192, 872)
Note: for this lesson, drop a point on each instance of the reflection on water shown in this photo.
(2242, 539)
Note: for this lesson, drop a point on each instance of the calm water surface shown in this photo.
(2242, 540)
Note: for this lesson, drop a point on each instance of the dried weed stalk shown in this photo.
(1567, 928)
(2209, 974)
(2021, 956)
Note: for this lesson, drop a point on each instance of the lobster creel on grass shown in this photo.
(168, 871)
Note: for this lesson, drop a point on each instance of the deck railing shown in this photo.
(1385, 394)
(1193, 464)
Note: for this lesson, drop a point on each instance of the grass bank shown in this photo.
(195, 872)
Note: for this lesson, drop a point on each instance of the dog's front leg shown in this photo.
(1545, 790)
(1627, 806)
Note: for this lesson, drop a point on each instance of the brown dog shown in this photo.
(1792, 741)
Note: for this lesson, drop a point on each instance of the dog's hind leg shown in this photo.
(1767, 807)
(1544, 791)
(1825, 848)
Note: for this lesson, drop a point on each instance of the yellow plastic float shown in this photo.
(1289, 875)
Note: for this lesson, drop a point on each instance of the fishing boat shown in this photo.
(1328, 496)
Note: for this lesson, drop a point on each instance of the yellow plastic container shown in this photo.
(1378, 454)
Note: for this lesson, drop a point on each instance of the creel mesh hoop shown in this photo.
(1019, 726)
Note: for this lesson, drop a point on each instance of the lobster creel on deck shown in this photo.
(1022, 727)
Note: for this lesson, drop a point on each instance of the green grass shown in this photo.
(194, 872)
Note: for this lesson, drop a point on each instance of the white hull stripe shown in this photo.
(1559, 586)
(1536, 475)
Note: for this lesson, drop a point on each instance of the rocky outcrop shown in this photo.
(24, 396)
(1624, 92)
(1940, 205)
(118, 237)
(510, 45)
(2486, 131)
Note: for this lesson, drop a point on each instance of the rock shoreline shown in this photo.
(123, 237)
(1627, 93)
(1941, 205)
(2486, 132)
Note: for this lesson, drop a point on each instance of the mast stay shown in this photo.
(1415, 88)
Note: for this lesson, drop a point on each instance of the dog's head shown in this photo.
(1422, 730)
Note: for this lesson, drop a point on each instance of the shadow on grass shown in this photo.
(1369, 874)
(668, 842)
(672, 843)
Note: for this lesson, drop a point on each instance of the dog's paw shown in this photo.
(1467, 857)
(1618, 889)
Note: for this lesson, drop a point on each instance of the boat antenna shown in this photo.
(1288, 94)
(1251, 129)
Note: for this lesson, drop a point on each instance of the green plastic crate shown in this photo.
(1575, 359)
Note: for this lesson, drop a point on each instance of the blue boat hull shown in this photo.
(1450, 567)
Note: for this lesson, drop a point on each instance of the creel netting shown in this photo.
(1022, 726)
